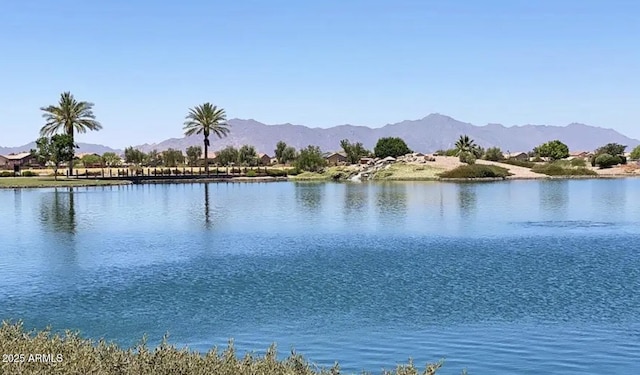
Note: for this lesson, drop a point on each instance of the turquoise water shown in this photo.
(512, 277)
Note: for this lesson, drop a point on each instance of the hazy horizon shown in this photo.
(365, 63)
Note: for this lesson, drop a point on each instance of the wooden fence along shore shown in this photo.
(182, 173)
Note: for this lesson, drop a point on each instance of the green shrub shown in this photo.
(554, 169)
(177, 171)
(251, 173)
(607, 161)
(476, 171)
(276, 172)
(292, 172)
(6, 174)
(578, 162)
(519, 163)
(82, 356)
(467, 158)
(493, 154)
(449, 152)
(29, 174)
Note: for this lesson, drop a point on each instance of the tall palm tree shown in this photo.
(206, 119)
(69, 116)
(465, 144)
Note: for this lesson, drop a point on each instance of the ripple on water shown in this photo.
(427, 279)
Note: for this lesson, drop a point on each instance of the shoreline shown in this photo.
(320, 178)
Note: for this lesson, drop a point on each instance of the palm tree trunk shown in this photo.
(72, 153)
(206, 156)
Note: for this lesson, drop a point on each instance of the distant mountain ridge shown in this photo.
(83, 147)
(428, 134)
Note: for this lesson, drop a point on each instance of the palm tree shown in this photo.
(206, 119)
(465, 144)
(69, 116)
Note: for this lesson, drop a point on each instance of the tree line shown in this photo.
(63, 121)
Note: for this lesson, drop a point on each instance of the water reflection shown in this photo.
(310, 195)
(58, 212)
(467, 199)
(355, 198)
(17, 203)
(59, 222)
(611, 196)
(554, 197)
(391, 202)
(207, 216)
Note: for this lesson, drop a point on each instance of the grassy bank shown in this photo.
(70, 354)
(328, 174)
(43, 182)
(476, 171)
(561, 169)
(408, 172)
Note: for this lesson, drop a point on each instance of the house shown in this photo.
(579, 154)
(522, 156)
(336, 158)
(212, 158)
(4, 162)
(17, 160)
(264, 159)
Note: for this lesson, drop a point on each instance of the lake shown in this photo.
(509, 277)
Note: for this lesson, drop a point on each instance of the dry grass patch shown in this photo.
(72, 355)
(408, 172)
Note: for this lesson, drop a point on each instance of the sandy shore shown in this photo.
(445, 163)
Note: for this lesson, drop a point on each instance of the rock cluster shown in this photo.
(369, 166)
(416, 157)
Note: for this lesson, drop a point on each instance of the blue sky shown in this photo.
(319, 63)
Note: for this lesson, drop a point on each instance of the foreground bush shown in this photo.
(554, 169)
(71, 354)
(476, 171)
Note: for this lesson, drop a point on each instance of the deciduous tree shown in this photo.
(391, 146)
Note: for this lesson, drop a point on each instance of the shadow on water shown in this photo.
(554, 197)
(391, 202)
(310, 195)
(467, 199)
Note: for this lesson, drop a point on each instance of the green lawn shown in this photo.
(41, 182)
(408, 172)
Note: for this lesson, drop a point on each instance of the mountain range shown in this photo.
(428, 134)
